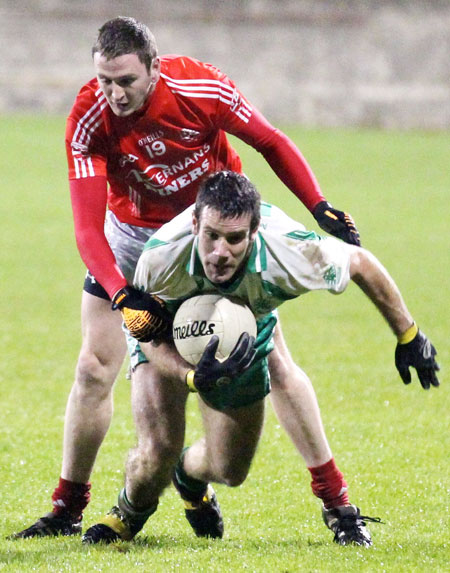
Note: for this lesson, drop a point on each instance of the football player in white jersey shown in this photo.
(229, 243)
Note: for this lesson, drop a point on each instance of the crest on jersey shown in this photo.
(189, 134)
(332, 276)
(130, 158)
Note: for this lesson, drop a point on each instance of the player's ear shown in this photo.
(155, 70)
(253, 235)
(195, 224)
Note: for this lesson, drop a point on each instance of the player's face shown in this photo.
(223, 244)
(125, 81)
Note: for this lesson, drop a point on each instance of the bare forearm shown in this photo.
(166, 359)
(374, 280)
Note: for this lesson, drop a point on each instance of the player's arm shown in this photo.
(291, 167)
(145, 316)
(87, 166)
(413, 348)
(88, 198)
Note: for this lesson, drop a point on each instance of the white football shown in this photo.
(200, 317)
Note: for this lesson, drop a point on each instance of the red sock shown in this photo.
(71, 497)
(329, 485)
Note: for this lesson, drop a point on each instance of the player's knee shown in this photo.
(235, 480)
(281, 367)
(231, 474)
(92, 375)
(292, 380)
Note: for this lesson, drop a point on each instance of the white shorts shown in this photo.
(126, 242)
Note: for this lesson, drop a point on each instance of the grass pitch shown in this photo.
(390, 440)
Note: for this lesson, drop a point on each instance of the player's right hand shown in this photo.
(144, 314)
(337, 223)
(419, 353)
(211, 372)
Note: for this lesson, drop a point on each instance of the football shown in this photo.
(200, 317)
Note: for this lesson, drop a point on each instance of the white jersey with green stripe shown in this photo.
(286, 261)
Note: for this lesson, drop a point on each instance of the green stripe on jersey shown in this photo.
(153, 243)
(303, 235)
(266, 209)
(257, 261)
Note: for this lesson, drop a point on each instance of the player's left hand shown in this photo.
(337, 223)
(145, 315)
(211, 372)
(419, 353)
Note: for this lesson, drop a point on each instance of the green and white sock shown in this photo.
(191, 488)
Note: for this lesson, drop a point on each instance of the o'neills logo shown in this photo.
(194, 329)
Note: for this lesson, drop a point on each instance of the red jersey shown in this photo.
(155, 158)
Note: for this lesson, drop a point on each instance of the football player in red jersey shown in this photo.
(139, 138)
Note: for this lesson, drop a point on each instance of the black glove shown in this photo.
(210, 372)
(420, 354)
(336, 223)
(144, 314)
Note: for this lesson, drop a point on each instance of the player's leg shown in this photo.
(225, 452)
(102, 353)
(101, 357)
(295, 404)
(158, 402)
(224, 456)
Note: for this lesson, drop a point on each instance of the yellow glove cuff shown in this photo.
(409, 334)
(190, 381)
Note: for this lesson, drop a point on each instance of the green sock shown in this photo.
(136, 518)
(191, 487)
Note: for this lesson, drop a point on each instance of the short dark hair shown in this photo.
(232, 195)
(121, 36)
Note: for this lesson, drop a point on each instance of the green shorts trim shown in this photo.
(134, 350)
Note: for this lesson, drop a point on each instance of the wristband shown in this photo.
(190, 381)
(408, 335)
(120, 294)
